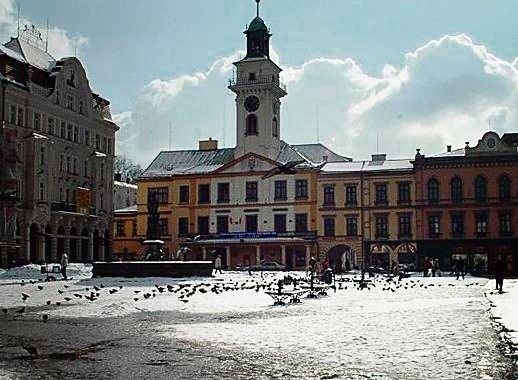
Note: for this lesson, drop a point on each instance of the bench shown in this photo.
(293, 296)
(50, 270)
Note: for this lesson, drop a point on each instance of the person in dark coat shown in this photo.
(500, 274)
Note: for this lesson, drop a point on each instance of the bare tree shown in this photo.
(127, 168)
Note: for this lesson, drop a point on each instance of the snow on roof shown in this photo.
(11, 53)
(317, 152)
(454, 153)
(124, 184)
(368, 166)
(32, 54)
(130, 209)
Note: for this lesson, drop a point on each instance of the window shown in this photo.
(350, 195)
(405, 229)
(251, 77)
(76, 133)
(87, 137)
(109, 146)
(101, 201)
(62, 130)
(161, 194)
(119, 231)
(222, 224)
(480, 189)
(433, 190)
(97, 142)
(50, 126)
(251, 192)
(505, 221)
(42, 191)
(275, 127)
(251, 223)
(457, 225)
(301, 222)
(281, 193)
(301, 189)
(456, 189)
(279, 222)
(351, 226)
(434, 225)
(183, 226)
(70, 102)
(81, 107)
(105, 144)
(381, 227)
(184, 194)
(67, 196)
(251, 125)
(504, 188)
(42, 156)
(163, 226)
(381, 193)
(69, 166)
(204, 193)
(329, 226)
(36, 123)
(19, 120)
(12, 114)
(329, 195)
(85, 167)
(102, 172)
(61, 163)
(404, 192)
(134, 228)
(74, 166)
(223, 192)
(203, 225)
(69, 132)
(481, 223)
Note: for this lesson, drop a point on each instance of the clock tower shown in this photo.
(258, 92)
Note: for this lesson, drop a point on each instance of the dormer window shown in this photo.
(251, 77)
(70, 102)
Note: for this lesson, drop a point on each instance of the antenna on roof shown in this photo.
(47, 38)
(18, 30)
(318, 126)
(257, 1)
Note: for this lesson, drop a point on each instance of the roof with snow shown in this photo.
(126, 210)
(124, 184)
(33, 55)
(367, 166)
(185, 162)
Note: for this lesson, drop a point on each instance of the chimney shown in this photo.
(379, 157)
(208, 144)
(448, 148)
(467, 144)
(118, 176)
(324, 158)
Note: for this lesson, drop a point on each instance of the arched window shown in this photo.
(251, 124)
(433, 190)
(480, 189)
(456, 189)
(275, 128)
(504, 187)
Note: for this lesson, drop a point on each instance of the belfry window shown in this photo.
(251, 125)
(275, 128)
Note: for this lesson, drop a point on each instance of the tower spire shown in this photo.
(257, 1)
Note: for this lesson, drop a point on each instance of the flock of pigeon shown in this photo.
(184, 291)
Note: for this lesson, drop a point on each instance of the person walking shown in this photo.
(217, 265)
(500, 274)
(64, 264)
(461, 268)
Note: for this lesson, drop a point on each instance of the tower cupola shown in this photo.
(257, 37)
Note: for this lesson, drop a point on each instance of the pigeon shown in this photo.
(66, 286)
(4, 310)
(113, 291)
(58, 303)
(136, 291)
(60, 291)
(96, 288)
(21, 311)
(135, 299)
(48, 302)
(184, 300)
(45, 317)
(67, 299)
(25, 296)
(31, 350)
(40, 287)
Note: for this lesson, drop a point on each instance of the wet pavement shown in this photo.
(430, 330)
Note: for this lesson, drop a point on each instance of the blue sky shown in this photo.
(135, 51)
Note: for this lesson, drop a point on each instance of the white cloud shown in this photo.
(445, 92)
(61, 43)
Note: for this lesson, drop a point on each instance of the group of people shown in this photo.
(431, 267)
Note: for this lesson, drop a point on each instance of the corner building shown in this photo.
(63, 138)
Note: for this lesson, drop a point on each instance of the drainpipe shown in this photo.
(361, 219)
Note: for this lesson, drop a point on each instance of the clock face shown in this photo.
(252, 103)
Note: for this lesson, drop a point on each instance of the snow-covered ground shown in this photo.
(418, 328)
(505, 307)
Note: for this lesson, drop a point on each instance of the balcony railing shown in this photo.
(309, 235)
(261, 79)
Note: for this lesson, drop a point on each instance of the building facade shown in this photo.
(466, 204)
(124, 194)
(64, 139)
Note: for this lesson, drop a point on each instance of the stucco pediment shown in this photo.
(490, 143)
(70, 79)
(248, 163)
